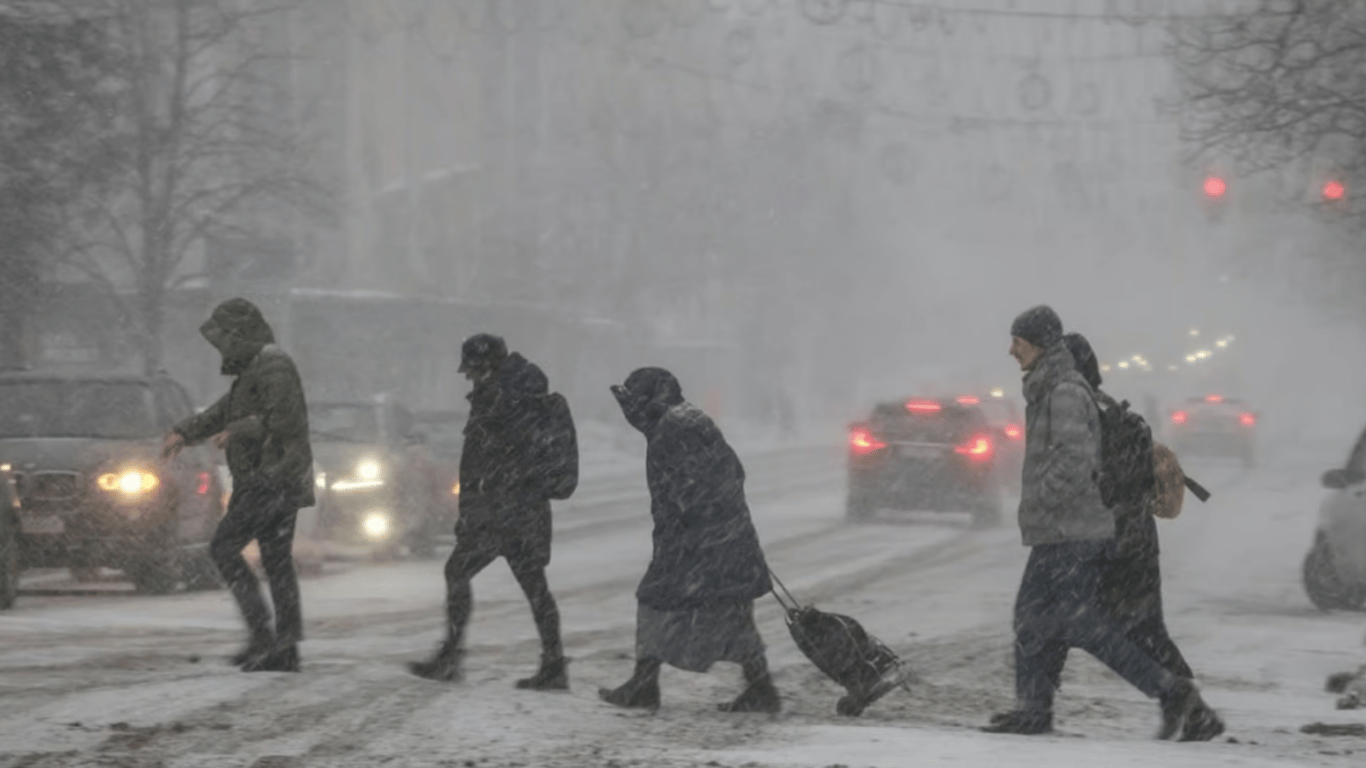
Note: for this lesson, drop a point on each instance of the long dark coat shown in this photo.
(497, 462)
(706, 551)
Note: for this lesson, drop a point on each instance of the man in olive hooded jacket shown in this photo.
(1070, 533)
(262, 423)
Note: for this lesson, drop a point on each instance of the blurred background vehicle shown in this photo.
(85, 451)
(1214, 426)
(375, 493)
(924, 454)
(1334, 571)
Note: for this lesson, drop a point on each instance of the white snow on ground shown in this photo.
(132, 680)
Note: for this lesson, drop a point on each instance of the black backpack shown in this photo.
(557, 447)
(1126, 455)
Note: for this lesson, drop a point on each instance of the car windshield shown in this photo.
(99, 409)
(344, 423)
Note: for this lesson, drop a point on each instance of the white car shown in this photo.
(1335, 568)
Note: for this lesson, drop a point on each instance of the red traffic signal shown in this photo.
(1334, 191)
(1215, 187)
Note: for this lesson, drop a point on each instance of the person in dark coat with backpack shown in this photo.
(506, 483)
(1070, 532)
(262, 423)
(1131, 585)
(695, 604)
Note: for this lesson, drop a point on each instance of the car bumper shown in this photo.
(916, 487)
(92, 533)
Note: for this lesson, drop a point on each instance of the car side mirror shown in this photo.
(1335, 479)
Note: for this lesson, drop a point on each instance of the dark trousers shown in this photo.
(525, 544)
(1060, 607)
(1133, 594)
(266, 514)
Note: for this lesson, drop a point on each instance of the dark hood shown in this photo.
(646, 396)
(239, 331)
(1085, 357)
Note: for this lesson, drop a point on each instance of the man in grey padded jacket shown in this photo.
(1071, 533)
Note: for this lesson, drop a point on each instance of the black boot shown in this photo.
(1021, 722)
(760, 695)
(444, 667)
(284, 658)
(552, 676)
(1179, 705)
(1204, 724)
(259, 645)
(640, 692)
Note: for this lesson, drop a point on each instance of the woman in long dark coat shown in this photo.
(695, 605)
(1131, 585)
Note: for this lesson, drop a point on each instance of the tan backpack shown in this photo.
(1170, 490)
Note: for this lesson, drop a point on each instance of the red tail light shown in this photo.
(969, 400)
(1180, 417)
(862, 442)
(978, 448)
(924, 406)
(205, 483)
(1215, 399)
(1013, 431)
(1247, 419)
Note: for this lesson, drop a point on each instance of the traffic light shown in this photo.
(1334, 191)
(1215, 189)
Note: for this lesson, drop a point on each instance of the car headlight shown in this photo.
(455, 489)
(320, 479)
(131, 482)
(368, 469)
(375, 524)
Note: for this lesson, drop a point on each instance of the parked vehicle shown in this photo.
(85, 453)
(1335, 569)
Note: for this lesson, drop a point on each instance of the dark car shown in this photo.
(1335, 568)
(932, 454)
(373, 494)
(1214, 426)
(85, 451)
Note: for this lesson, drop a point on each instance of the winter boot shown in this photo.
(259, 645)
(760, 695)
(640, 692)
(1204, 724)
(444, 667)
(1179, 705)
(552, 676)
(1021, 722)
(283, 658)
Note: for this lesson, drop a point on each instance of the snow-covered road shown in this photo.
(139, 681)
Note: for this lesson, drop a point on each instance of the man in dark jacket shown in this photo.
(262, 422)
(1131, 582)
(1070, 531)
(504, 507)
(695, 604)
